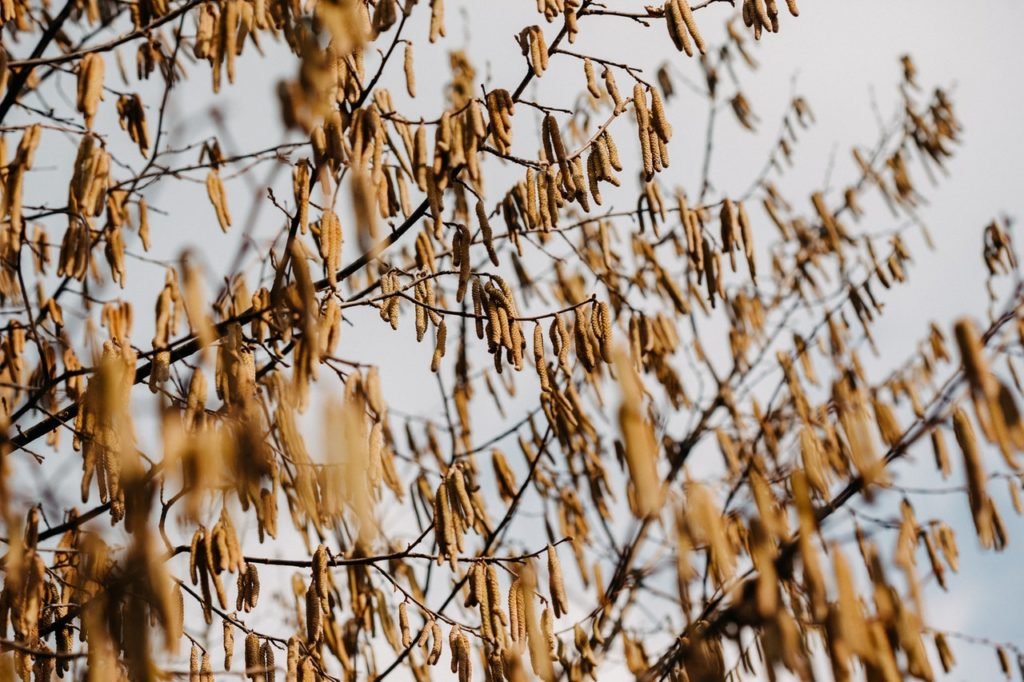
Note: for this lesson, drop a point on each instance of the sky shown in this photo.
(842, 56)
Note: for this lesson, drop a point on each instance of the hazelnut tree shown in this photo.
(652, 435)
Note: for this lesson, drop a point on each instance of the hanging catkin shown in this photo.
(676, 28)
(556, 584)
(410, 73)
(691, 25)
(215, 190)
(588, 71)
(643, 128)
(439, 346)
(613, 89)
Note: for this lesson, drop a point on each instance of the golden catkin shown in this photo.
(252, 653)
(439, 346)
(613, 89)
(658, 117)
(981, 508)
(267, 661)
(486, 232)
(676, 28)
(436, 643)
(215, 191)
(437, 27)
(691, 25)
(556, 584)
(229, 644)
(643, 124)
(410, 73)
(90, 86)
(314, 617)
(538, 357)
(403, 624)
(588, 70)
(540, 654)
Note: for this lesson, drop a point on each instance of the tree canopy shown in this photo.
(636, 436)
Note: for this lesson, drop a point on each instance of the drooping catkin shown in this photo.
(267, 661)
(410, 73)
(588, 70)
(659, 119)
(946, 657)
(643, 122)
(314, 616)
(537, 49)
(229, 643)
(252, 654)
(691, 25)
(557, 146)
(215, 191)
(330, 245)
(403, 624)
(437, 28)
(439, 346)
(613, 89)
(540, 654)
(747, 237)
(556, 584)
(320, 577)
(436, 643)
(981, 508)
(486, 232)
(639, 442)
(250, 593)
(676, 28)
(538, 357)
(90, 86)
